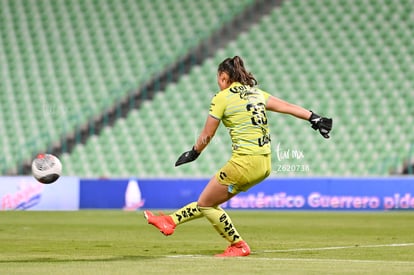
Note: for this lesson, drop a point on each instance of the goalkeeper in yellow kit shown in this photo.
(242, 107)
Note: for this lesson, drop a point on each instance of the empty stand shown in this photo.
(352, 60)
(64, 62)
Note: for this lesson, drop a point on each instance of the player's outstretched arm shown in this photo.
(323, 124)
(275, 104)
(203, 140)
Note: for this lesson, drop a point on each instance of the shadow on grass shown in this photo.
(108, 258)
(91, 259)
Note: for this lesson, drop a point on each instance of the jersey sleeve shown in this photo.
(266, 96)
(217, 106)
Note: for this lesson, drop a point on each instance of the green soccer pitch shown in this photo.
(117, 242)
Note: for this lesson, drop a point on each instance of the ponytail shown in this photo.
(234, 67)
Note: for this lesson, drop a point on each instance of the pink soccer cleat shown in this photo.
(164, 223)
(238, 249)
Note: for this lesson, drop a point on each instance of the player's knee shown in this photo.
(203, 203)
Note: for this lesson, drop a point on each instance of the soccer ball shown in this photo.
(46, 168)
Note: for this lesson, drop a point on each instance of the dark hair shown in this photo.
(234, 67)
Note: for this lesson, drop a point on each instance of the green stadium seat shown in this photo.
(348, 60)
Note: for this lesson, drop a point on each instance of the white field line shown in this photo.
(318, 260)
(302, 260)
(194, 256)
(335, 248)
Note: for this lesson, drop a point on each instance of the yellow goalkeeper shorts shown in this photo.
(242, 172)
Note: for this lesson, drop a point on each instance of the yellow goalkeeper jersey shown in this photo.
(242, 109)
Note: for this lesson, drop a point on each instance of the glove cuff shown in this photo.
(194, 153)
(314, 120)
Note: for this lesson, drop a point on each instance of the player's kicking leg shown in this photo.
(167, 223)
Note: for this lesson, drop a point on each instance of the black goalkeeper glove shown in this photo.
(323, 124)
(188, 156)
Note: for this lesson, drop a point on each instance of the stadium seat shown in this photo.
(81, 56)
(350, 60)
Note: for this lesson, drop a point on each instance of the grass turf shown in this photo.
(117, 242)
